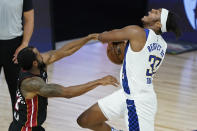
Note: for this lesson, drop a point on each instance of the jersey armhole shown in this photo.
(147, 33)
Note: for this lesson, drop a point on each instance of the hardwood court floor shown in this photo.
(175, 85)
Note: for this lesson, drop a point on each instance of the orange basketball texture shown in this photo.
(115, 52)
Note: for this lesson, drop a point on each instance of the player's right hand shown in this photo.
(109, 80)
(93, 36)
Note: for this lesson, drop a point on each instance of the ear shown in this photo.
(35, 63)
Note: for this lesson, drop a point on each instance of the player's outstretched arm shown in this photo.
(67, 49)
(36, 86)
(117, 35)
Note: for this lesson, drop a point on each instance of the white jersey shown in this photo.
(139, 67)
(137, 102)
(137, 74)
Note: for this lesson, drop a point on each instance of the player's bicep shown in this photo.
(32, 86)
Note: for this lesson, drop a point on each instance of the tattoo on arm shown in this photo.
(52, 90)
(31, 86)
(37, 86)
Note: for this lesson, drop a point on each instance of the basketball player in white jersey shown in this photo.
(144, 53)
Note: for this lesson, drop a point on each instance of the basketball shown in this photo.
(115, 52)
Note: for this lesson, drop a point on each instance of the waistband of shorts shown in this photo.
(21, 125)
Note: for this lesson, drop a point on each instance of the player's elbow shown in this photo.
(82, 122)
(69, 94)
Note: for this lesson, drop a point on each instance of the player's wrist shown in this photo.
(100, 81)
(24, 43)
(88, 37)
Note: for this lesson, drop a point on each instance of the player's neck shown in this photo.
(35, 71)
(152, 28)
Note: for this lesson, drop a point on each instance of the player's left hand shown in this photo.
(17, 51)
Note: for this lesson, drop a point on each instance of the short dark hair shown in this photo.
(26, 57)
(172, 24)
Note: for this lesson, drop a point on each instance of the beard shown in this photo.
(41, 66)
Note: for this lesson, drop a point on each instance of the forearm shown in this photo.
(74, 91)
(55, 90)
(72, 47)
(28, 29)
(107, 36)
(66, 50)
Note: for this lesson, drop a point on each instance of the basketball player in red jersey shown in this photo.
(33, 91)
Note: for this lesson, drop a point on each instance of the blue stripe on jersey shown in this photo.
(147, 33)
(132, 116)
(124, 73)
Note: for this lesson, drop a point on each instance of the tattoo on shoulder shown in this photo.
(32, 84)
(36, 85)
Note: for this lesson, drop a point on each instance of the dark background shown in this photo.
(77, 18)
(176, 6)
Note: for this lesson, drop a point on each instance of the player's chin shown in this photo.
(143, 19)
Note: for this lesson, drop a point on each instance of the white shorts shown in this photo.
(116, 106)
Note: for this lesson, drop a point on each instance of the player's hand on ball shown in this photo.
(93, 36)
(109, 80)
